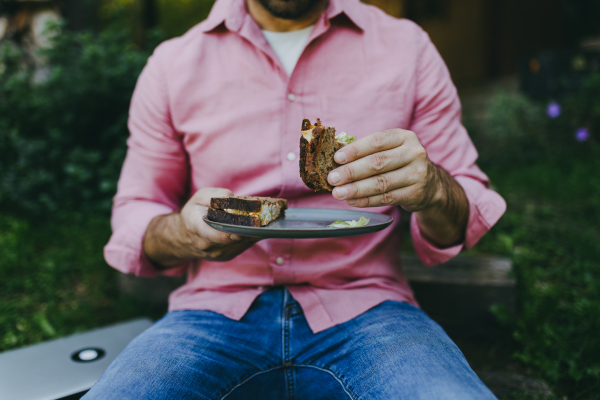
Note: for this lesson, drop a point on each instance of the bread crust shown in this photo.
(245, 203)
(316, 156)
(233, 219)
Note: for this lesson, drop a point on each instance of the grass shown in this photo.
(55, 281)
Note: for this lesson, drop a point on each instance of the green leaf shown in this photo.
(45, 325)
(345, 138)
(339, 224)
(349, 224)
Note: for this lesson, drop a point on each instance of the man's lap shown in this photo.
(392, 351)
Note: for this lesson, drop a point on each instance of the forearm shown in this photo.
(165, 244)
(444, 222)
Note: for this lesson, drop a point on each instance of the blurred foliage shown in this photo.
(55, 281)
(519, 131)
(551, 231)
(63, 125)
(174, 17)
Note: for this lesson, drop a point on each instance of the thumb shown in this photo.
(203, 196)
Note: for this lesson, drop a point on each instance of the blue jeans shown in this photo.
(393, 351)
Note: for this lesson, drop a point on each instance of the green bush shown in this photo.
(63, 124)
(551, 232)
(519, 131)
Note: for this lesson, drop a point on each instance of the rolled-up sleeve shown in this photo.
(155, 172)
(437, 123)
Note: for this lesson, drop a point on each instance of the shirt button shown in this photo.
(291, 97)
(291, 156)
(279, 261)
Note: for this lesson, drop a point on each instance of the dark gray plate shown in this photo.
(309, 223)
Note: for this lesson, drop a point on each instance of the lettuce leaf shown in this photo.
(349, 224)
(345, 138)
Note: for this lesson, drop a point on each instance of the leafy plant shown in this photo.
(63, 123)
(519, 131)
(55, 281)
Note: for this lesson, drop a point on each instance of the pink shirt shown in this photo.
(215, 108)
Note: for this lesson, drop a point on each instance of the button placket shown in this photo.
(281, 265)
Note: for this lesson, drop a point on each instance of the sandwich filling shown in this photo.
(308, 134)
(343, 137)
(318, 145)
(268, 212)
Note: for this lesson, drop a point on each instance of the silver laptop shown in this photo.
(64, 368)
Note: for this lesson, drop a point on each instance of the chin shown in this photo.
(289, 9)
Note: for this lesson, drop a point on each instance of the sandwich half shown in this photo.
(246, 210)
(318, 144)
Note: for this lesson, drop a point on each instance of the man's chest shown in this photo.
(239, 115)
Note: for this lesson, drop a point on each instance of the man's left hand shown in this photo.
(391, 167)
(388, 167)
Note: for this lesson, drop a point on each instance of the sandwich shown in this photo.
(318, 144)
(246, 210)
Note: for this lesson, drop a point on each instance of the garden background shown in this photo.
(63, 112)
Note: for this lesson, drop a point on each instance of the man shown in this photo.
(218, 111)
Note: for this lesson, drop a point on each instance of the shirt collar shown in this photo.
(232, 13)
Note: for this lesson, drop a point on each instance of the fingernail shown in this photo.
(352, 202)
(340, 157)
(235, 237)
(341, 192)
(334, 177)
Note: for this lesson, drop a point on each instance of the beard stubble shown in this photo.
(289, 9)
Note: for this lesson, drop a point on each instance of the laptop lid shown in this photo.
(63, 367)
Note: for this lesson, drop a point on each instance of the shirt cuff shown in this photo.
(124, 250)
(485, 209)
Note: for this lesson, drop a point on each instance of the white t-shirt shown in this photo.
(288, 45)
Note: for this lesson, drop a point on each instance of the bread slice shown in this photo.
(318, 144)
(246, 210)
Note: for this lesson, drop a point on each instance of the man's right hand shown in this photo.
(174, 238)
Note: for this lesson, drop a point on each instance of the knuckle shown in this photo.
(354, 191)
(420, 170)
(349, 172)
(377, 162)
(409, 133)
(420, 152)
(358, 191)
(215, 255)
(388, 198)
(353, 151)
(379, 139)
(382, 183)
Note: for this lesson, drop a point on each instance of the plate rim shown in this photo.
(350, 228)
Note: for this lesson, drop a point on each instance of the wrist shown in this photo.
(439, 192)
(166, 241)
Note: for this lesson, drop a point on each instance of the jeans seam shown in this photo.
(346, 390)
(288, 372)
(330, 373)
(250, 377)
